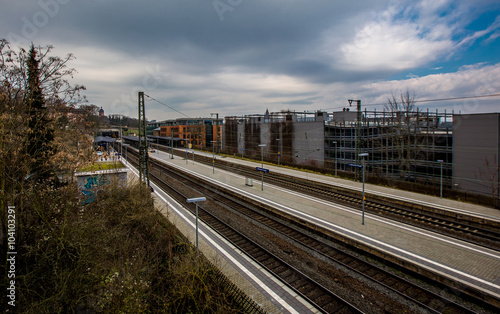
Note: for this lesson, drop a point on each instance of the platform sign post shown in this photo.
(262, 163)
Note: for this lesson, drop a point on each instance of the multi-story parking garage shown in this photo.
(413, 146)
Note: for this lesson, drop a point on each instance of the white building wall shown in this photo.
(241, 137)
(309, 143)
(476, 153)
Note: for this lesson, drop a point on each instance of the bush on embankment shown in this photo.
(117, 254)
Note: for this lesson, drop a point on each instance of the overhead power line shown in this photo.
(458, 98)
(432, 100)
(182, 113)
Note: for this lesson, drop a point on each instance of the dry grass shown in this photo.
(114, 255)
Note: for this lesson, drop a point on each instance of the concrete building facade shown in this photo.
(294, 137)
(410, 146)
(476, 153)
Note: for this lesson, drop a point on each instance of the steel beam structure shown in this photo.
(143, 143)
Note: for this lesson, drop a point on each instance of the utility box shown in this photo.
(248, 181)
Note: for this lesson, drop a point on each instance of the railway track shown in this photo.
(422, 297)
(460, 226)
(323, 299)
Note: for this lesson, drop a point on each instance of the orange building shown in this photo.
(199, 132)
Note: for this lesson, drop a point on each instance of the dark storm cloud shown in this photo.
(256, 36)
(269, 38)
(241, 55)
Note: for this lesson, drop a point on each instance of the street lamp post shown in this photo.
(195, 201)
(441, 179)
(335, 143)
(262, 164)
(363, 155)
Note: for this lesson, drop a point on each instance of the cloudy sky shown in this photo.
(238, 57)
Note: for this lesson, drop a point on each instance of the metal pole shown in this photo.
(363, 206)
(121, 137)
(218, 147)
(195, 201)
(335, 158)
(262, 165)
(241, 148)
(363, 155)
(441, 180)
(213, 157)
(216, 129)
(172, 143)
(196, 227)
(279, 151)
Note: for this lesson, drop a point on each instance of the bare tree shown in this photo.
(197, 132)
(404, 134)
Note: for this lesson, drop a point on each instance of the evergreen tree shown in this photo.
(40, 133)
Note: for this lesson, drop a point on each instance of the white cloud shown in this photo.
(397, 39)
(473, 80)
(392, 46)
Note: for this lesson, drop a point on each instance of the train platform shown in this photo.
(473, 265)
(453, 205)
(256, 282)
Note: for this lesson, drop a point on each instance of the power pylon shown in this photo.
(143, 143)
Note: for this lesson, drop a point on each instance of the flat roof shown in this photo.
(167, 138)
(105, 139)
(152, 137)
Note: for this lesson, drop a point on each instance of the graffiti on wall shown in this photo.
(91, 187)
(91, 183)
